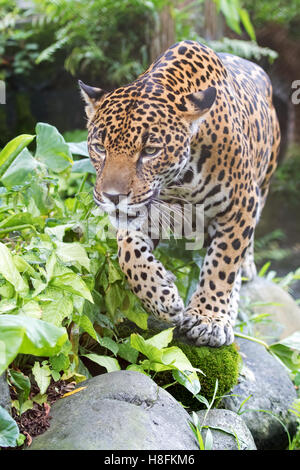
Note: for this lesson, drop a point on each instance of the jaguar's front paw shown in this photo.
(166, 304)
(205, 331)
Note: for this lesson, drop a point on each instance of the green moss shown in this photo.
(216, 363)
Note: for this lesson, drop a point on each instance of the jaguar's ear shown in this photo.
(92, 96)
(197, 104)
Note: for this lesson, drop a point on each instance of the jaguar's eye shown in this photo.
(150, 151)
(99, 148)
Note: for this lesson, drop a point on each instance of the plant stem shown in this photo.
(251, 338)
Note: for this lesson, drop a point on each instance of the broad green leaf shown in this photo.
(12, 150)
(16, 219)
(57, 309)
(8, 305)
(59, 362)
(71, 252)
(42, 375)
(7, 292)
(9, 431)
(21, 170)
(137, 368)
(85, 323)
(50, 266)
(109, 343)
(288, 351)
(24, 267)
(22, 384)
(188, 380)
(141, 345)
(79, 148)
(83, 166)
(292, 341)
(21, 334)
(58, 231)
(111, 364)
(10, 272)
(175, 356)
(51, 148)
(31, 309)
(127, 352)
(113, 298)
(137, 317)
(71, 282)
(162, 339)
(113, 273)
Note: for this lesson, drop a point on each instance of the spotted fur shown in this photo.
(212, 120)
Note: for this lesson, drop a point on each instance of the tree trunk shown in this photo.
(213, 22)
(163, 35)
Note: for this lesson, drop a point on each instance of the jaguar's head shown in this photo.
(139, 142)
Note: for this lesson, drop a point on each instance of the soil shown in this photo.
(37, 420)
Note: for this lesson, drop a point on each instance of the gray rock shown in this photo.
(123, 410)
(232, 432)
(5, 400)
(269, 387)
(284, 317)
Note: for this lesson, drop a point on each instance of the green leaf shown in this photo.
(42, 375)
(79, 148)
(31, 309)
(137, 368)
(114, 298)
(12, 150)
(73, 252)
(111, 364)
(287, 350)
(21, 334)
(245, 19)
(10, 272)
(264, 269)
(114, 273)
(52, 149)
(71, 282)
(127, 352)
(188, 380)
(109, 343)
(208, 445)
(140, 344)
(138, 317)
(162, 339)
(85, 323)
(59, 363)
(9, 431)
(83, 166)
(22, 383)
(292, 341)
(20, 171)
(57, 309)
(7, 305)
(16, 219)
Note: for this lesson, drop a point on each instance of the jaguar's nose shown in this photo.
(114, 198)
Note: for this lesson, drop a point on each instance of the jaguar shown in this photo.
(196, 127)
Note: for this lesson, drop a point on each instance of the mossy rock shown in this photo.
(216, 363)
